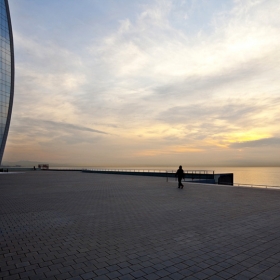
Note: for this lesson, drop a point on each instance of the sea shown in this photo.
(265, 176)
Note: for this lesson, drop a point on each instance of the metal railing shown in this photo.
(128, 170)
(154, 171)
(199, 171)
(193, 175)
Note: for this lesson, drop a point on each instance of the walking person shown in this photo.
(180, 175)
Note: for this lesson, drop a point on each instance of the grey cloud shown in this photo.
(47, 125)
(62, 125)
(273, 141)
(47, 133)
(72, 139)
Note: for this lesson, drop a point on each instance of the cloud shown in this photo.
(266, 142)
(146, 76)
(40, 132)
(159, 65)
(68, 126)
(48, 125)
(230, 113)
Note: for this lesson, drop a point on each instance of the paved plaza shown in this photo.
(74, 225)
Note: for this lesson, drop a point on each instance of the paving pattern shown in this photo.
(73, 225)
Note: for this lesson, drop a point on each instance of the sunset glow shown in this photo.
(146, 82)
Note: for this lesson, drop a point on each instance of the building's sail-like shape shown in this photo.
(6, 73)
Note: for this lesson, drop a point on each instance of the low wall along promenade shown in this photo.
(205, 176)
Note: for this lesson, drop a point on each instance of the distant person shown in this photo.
(34, 168)
(180, 175)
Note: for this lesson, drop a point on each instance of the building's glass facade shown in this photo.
(6, 73)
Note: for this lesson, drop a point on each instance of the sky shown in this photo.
(146, 82)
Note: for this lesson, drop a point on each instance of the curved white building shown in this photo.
(6, 73)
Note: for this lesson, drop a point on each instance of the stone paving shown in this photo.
(73, 225)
